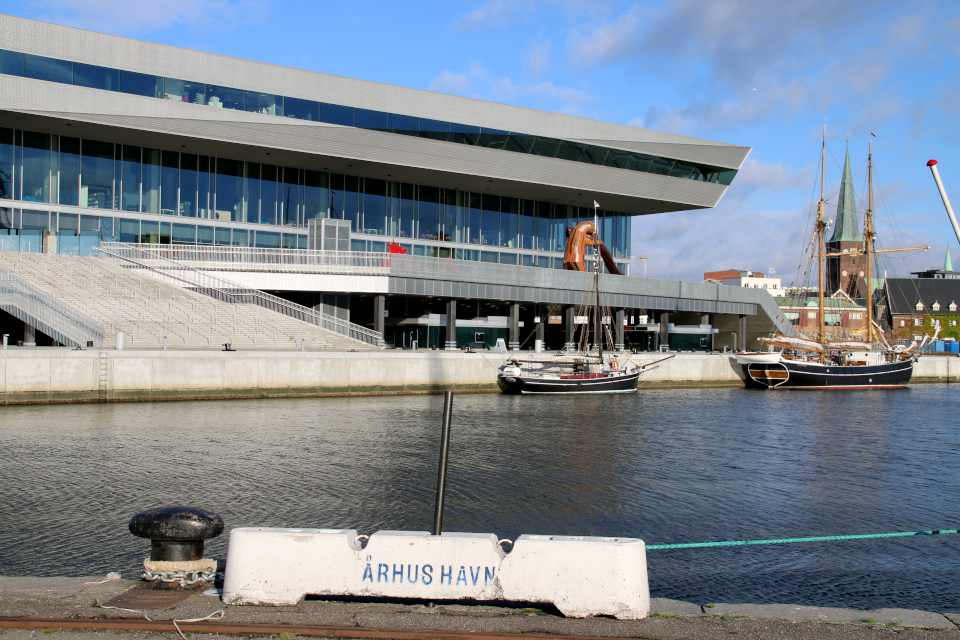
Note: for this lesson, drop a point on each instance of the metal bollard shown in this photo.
(176, 537)
(5, 337)
(164, 343)
(120, 341)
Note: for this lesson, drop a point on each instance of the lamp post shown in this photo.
(644, 259)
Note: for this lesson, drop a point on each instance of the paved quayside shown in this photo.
(77, 598)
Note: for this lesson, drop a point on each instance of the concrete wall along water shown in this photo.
(39, 375)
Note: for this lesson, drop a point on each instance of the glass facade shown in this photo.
(67, 72)
(37, 167)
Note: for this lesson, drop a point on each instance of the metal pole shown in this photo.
(442, 474)
(943, 196)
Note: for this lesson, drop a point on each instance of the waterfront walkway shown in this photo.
(78, 598)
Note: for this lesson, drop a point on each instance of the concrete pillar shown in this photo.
(541, 328)
(514, 343)
(379, 312)
(742, 337)
(707, 318)
(29, 336)
(664, 321)
(451, 342)
(619, 317)
(49, 242)
(568, 315)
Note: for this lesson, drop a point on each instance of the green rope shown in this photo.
(865, 536)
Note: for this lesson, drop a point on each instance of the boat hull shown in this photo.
(624, 383)
(787, 374)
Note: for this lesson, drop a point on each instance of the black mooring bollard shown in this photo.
(176, 545)
(442, 474)
(176, 533)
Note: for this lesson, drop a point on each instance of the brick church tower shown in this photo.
(843, 272)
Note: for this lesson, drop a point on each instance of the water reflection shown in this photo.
(665, 466)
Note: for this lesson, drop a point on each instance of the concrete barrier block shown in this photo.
(581, 576)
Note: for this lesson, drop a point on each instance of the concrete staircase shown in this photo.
(146, 309)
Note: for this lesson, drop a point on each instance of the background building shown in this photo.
(105, 138)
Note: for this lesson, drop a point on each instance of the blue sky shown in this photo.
(761, 74)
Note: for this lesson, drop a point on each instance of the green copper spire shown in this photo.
(846, 227)
(947, 265)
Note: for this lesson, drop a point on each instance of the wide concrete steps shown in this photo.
(146, 310)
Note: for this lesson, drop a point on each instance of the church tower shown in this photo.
(844, 272)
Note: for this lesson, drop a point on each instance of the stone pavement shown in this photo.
(670, 619)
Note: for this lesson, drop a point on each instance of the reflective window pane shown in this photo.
(141, 84)
(408, 125)
(290, 197)
(301, 109)
(268, 239)
(69, 170)
(374, 206)
(149, 232)
(546, 147)
(570, 151)
(508, 258)
(6, 163)
(184, 234)
(90, 75)
(265, 103)
(493, 138)
(336, 114)
(463, 133)
(222, 236)
(129, 231)
(406, 211)
(268, 194)
(351, 201)
(150, 181)
(204, 195)
(188, 185)
(11, 63)
(489, 256)
(240, 238)
(204, 235)
(251, 192)
(229, 189)
(50, 69)
(183, 91)
(130, 178)
(509, 222)
(225, 97)
(367, 119)
(169, 182)
(96, 174)
(490, 221)
(428, 213)
(315, 185)
(36, 167)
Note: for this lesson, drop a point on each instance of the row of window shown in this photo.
(45, 168)
(22, 230)
(935, 306)
(109, 79)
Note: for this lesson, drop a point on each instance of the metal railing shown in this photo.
(223, 258)
(181, 273)
(36, 307)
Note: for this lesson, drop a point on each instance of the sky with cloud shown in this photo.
(767, 75)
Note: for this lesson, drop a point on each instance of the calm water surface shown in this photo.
(661, 465)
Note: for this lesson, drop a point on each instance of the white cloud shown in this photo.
(125, 16)
(495, 12)
(538, 58)
(450, 82)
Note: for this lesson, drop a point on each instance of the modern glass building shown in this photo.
(103, 137)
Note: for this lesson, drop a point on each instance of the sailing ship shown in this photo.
(582, 367)
(820, 363)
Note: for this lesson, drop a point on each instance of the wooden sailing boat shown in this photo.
(823, 364)
(581, 368)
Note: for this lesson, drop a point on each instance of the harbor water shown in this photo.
(675, 465)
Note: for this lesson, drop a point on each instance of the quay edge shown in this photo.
(59, 375)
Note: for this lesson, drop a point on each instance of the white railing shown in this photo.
(181, 273)
(222, 258)
(39, 309)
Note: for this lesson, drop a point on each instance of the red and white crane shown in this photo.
(943, 194)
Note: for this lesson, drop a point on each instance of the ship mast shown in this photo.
(820, 227)
(597, 315)
(868, 237)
